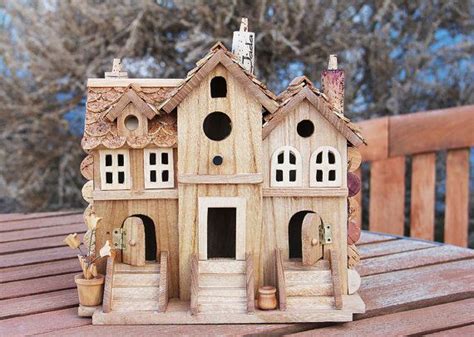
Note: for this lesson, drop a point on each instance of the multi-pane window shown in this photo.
(325, 167)
(158, 164)
(286, 167)
(115, 169)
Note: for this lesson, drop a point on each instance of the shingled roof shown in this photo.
(101, 130)
(220, 55)
(302, 88)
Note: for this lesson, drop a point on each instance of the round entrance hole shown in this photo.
(131, 122)
(217, 126)
(305, 128)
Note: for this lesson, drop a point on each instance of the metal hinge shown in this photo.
(117, 238)
(325, 234)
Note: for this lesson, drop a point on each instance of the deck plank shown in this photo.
(42, 232)
(42, 222)
(392, 247)
(404, 323)
(47, 268)
(11, 218)
(41, 255)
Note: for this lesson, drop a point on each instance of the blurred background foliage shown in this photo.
(399, 57)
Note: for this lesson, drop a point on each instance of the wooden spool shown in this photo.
(353, 209)
(87, 191)
(353, 184)
(354, 159)
(87, 167)
(353, 232)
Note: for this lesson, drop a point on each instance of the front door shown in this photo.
(312, 250)
(222, 228)
(133, 238)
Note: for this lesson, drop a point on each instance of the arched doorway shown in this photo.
(294, 234)
(150, 237)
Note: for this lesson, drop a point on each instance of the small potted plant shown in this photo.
(90, 283)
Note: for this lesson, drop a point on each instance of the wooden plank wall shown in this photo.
(391, 142)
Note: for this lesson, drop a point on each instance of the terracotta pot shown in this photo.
(267, 298)
(90, 291)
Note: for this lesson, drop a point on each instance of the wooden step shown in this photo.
(149, 267)
(136, 280)
(308, 303)
(142, 305)
(324, 289)
(298, 265)
(223, 307)
(223, 291)
(308, 277)
(221, 267)
(135, 293)
(222, 280)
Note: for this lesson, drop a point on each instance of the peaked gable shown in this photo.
(220, 55)
(130, 96)
(301, 89)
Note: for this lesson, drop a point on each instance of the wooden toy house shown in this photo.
(212, 186)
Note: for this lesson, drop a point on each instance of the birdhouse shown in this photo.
(212, 187)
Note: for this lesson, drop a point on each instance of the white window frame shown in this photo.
(286, 167)
(159, 167)
(115, 169)
(325, 167)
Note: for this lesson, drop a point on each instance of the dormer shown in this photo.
(131, 114)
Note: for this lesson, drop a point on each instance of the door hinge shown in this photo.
(325, 234)
(117, 238)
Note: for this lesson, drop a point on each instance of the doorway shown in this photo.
(150, 237)
(295, 247)
(222, 228)
(221, 232)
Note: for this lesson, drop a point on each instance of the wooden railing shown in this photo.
(250, 282)
(419, 135)
(164, 281)
(280, 275)
(109, 279)
(194, 284)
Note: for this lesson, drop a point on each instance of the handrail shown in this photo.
(194, 284)
(336, 279)
(250, 283)
(164, 280)
(109, 279)
(281, 287)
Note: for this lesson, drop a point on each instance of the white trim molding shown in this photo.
(115, 170)
(325, 167)
(159, 168)
(286, 168)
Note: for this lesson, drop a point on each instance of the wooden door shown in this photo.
(133, 238)
(311, 246)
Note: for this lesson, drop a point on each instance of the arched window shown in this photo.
(325, 167)
(218, 87)
(286, 167)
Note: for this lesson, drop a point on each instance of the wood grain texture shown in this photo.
(133, 237)
(387, 196)
(456, 218)
(194, 284)
(164, 280)
(250, 283)
(109, 279)
(311, 246)
(431, 131)
(423, 183)
(336, 279)
(376, 135)
(280, 278)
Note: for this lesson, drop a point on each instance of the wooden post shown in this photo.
(194, 284)
(336, 278)
(109, 279)
(280, 280)
(250, 282)
(164, 278)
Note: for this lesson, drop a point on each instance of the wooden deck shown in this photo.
(409, 287)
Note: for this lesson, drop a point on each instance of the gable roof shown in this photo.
(130, 96)
(100, 131)
(220, 55)
(300, 89)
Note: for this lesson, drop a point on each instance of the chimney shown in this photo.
(243, 46)
(116, 70)
(332, 81)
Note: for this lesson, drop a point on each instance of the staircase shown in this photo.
(308, 287)
(136, 288)
(221, 286)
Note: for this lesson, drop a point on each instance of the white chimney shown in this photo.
(116, 70)
(243, 46)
